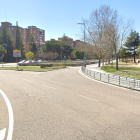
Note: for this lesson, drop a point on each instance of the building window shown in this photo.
(12, 28)
(9, 28)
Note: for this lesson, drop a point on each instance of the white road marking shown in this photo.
(48, 86)
(27, 80)
(88, 98)
(11, 116)
(2, 134)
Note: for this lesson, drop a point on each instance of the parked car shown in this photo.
(33, 61)
(21, 62)
(40, 60)
(27, 62)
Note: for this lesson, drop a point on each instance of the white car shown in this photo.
(27, 62)
(40, 60)
(21, 62)
(33, 61)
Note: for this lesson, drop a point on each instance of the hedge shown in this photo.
(55, 64)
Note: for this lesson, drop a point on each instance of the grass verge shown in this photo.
(132, 72)
(121, 63)
(31, 68)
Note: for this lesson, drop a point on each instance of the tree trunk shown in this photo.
(134, 56)
(116, 62)
(109, 60)
(112, 61)
(99, 62)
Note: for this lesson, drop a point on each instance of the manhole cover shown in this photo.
(32, 95)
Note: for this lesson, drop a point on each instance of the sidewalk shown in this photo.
(103, 76)
(95, 67)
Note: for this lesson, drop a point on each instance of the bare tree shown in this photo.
(106, 31)
(119, 31)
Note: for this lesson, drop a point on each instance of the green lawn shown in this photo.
(31, 68)
(121, 63)
(132, 72)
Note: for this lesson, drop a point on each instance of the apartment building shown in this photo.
(69, 40)
(78, 43)
(75, 44)
(38, 34)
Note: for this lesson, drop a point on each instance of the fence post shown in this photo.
(100, 76)
(108, 78)
(134, 83)
(94, 74)
(119, 80)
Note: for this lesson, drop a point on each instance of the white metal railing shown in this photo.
(113, 79)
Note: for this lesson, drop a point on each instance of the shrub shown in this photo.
(46, 65)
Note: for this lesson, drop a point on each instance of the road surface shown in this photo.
(65, 105)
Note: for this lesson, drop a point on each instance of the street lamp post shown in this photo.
(84, 60)
(61, 53)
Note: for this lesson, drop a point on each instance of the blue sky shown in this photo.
(57, 17)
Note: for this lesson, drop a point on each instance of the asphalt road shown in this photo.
(65, 105)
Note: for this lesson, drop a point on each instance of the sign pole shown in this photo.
(2, 60)
(17, 63)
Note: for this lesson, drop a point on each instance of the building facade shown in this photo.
(78, 43)
(38, 34)
(69, 40)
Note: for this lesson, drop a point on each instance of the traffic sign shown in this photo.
(16, 53)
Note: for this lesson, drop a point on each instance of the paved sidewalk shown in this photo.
(95, 67)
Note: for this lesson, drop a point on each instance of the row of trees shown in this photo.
(106, 31)
(106, 36)
(110, 36)
(58, 49)
(50, 50)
